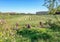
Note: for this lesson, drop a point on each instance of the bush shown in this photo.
(34, 34)
(55, 26)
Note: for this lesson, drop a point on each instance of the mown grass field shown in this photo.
(7, 34)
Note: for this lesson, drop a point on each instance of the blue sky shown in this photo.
(22, 6)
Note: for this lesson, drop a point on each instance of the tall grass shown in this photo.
(34, 34)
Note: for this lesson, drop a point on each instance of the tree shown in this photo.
(51, 5)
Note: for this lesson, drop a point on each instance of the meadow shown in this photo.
(10, 33)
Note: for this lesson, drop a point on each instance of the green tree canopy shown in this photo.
(51, 5)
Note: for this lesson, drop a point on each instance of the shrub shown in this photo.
(55, 26)
(34, 34)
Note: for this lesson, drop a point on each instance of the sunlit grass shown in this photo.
(7, 34)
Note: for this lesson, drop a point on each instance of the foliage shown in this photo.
(54, 25)
(34, 34)
(58, 8)
(51, 5)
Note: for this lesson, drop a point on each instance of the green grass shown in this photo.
(7, 34)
